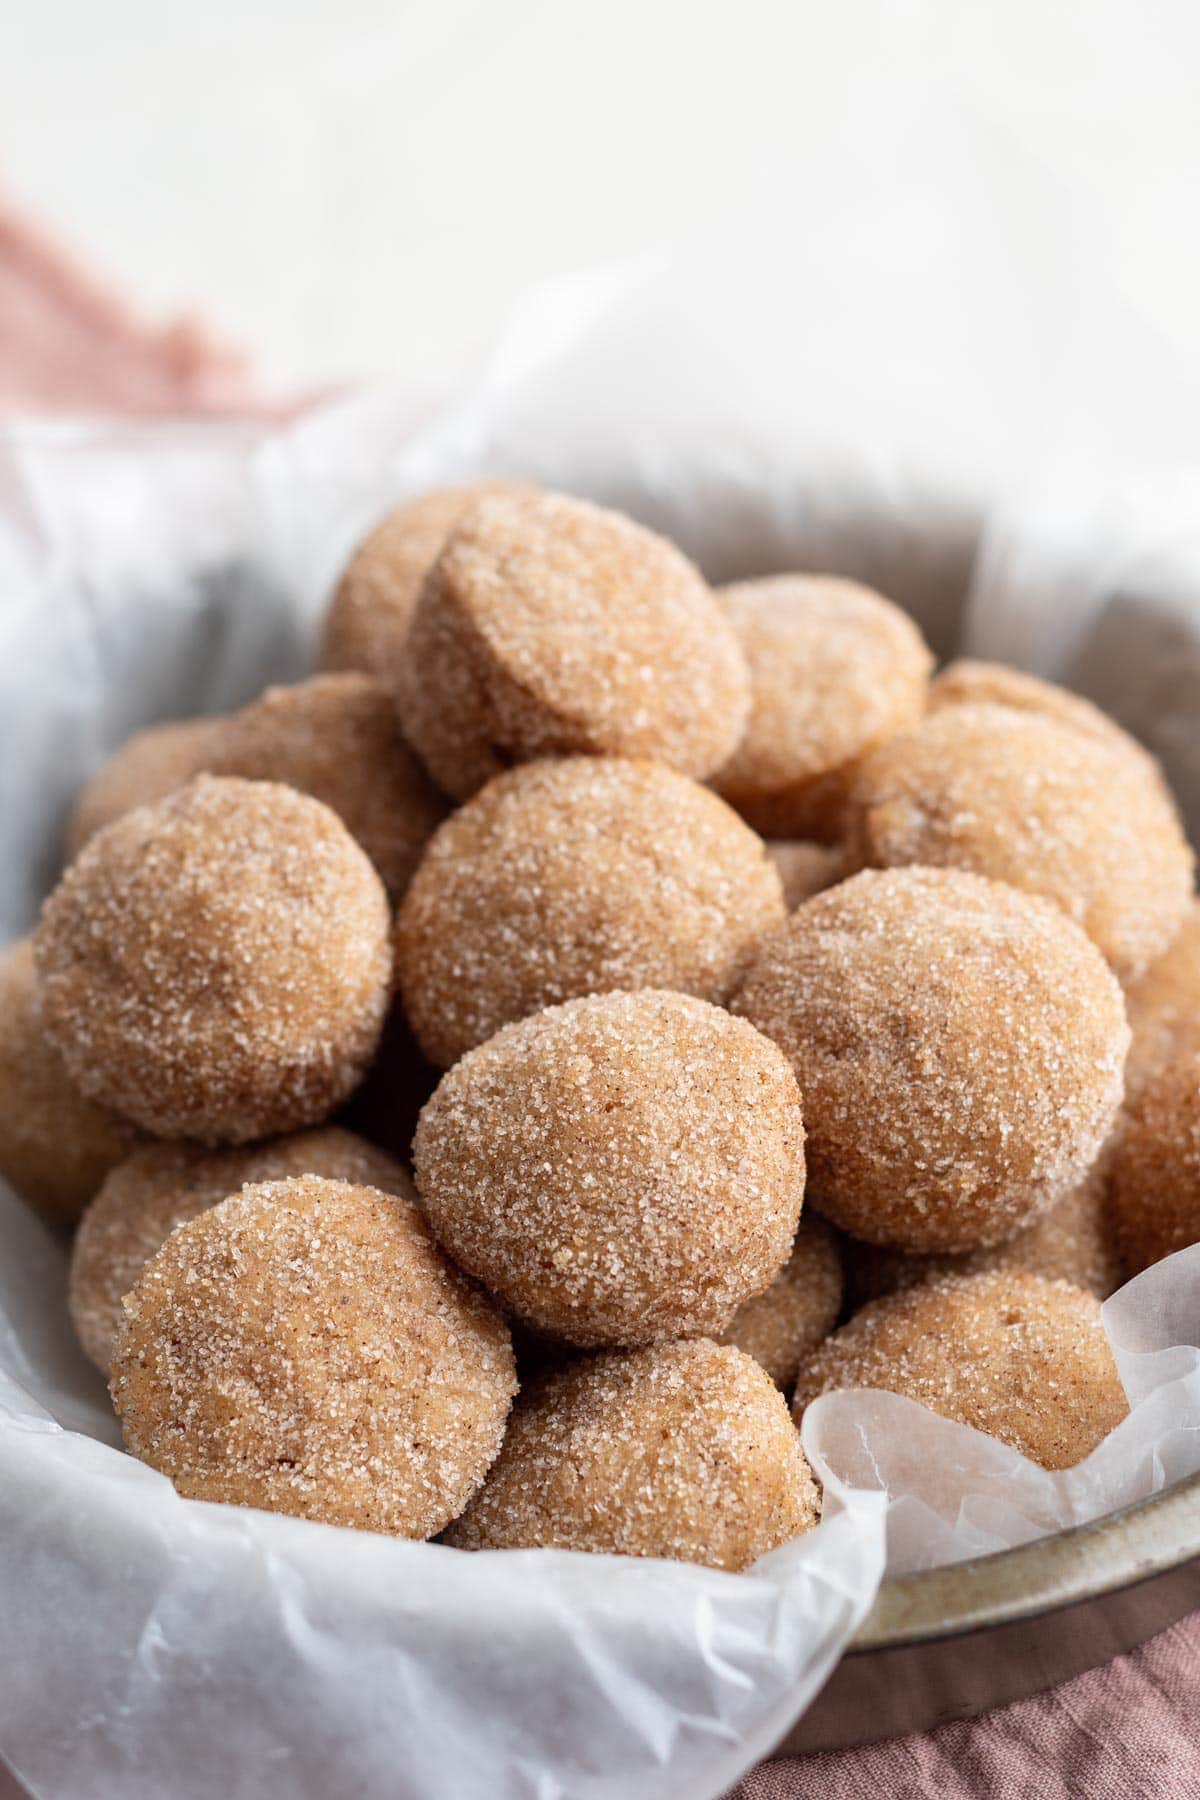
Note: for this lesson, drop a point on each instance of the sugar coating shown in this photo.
(968, 682)
(1164, 1006)
(337, 738)
(684, 1451)
(55, 1146)
(780, 1327)
(549, 626)
(1027, 799)
(1074, 1241)
(1023, 1359)
(371, 610)
(305, 1347)
(805, 868)
(217, 965)
(161, 1185)
(578, 876)
(1156, 1171)
(619, 1170)
(834, 670)
(959, 1046)
(147, 767)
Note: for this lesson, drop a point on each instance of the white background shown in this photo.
(351, 187)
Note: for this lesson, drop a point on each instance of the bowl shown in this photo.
(949, 1643)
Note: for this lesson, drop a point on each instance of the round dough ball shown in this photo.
(805, 868)
(683, 1451)
(959, 1046)
(549, 626)
(162, 1185)
(1027, 799)
(618, 1170)
(147, 767)
(968, 682)
(834, 670)
(1075, 1241)
(305, 1347)
(1164, 1007)
(1022, 1359)
(337, 738)
(574, 877)
(370, 613)
(1156, 1170)
(55, 1146)
(780, 1327)
(217, 966)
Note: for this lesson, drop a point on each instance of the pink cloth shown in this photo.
(69, 345)
(1124, 1732)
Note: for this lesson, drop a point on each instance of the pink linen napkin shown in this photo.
(70, 345)
(1124, 1732)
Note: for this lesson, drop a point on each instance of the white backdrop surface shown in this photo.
(365, 186)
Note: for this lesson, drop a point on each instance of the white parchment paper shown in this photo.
(873, 422)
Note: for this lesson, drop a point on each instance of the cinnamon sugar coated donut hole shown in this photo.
(1075, 1241)
(573, 877)
(305, 1347)
(337, 738)
(147, 767)
(161, 1185)
(619, 1170)
(549, 626)
(1023, 1359)
(780, 1327)
(217, 966)
(968, 682)
(959, 1046)
(683, 1451)
(1156, 1171)
(1025, 798)
(370, 613)
(55, 1146)
(805, 868)
(1164, 1006)
(834, 670)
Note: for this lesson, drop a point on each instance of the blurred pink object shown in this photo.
(68, 344)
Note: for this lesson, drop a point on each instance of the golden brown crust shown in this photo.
(549, 627)
(573, 877)
(683, 1451)
(162, 1185)
(305, 1347)
(1022, 1359)
(1156, 1172)
(1075, 1241)
(371, 610)
(56, 1147)
(784, 1324)
(217, 965)
(959, 1046)
(835, 669)
(619, 1170)
(1024, 798)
